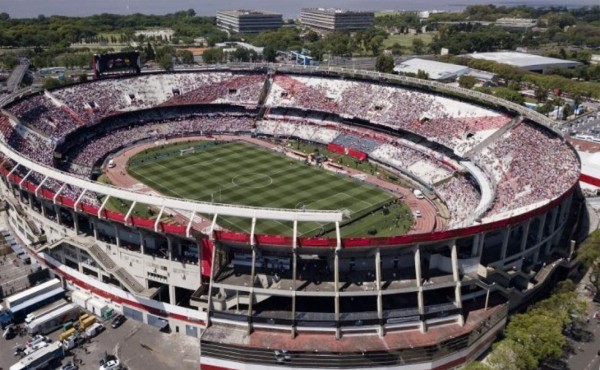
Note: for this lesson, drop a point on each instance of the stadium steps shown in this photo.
(108, 265)
(492, 138)
(266, 91)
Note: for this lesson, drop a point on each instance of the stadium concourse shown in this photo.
(496, 186)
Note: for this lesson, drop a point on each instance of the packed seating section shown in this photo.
(525, 171)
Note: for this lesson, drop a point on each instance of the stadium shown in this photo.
(289, 216)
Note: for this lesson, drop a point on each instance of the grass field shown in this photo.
(405, 40)
(239, 173)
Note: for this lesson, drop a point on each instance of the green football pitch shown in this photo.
(240, 173)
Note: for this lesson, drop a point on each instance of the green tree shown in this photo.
(510, 355)
(422, 74)
(418, 46)
(385, 64)
(510, 95)
(538, 333)
(541, 94)
(149, 52)
(166, 61)
(467, 81)
(375, 44)
(269, 54)
(241, 55)
(185, 56)
(212, 56)
(396, 49)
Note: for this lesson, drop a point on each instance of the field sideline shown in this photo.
(240, 173)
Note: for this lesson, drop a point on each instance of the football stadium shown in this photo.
(292, 216)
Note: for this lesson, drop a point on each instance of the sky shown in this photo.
(289, 8)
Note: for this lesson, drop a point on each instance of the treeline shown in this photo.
(57, 31)
(540, 334)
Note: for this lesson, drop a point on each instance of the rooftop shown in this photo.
(524, 60)
(336, 11)
(241, 12)
(436, 70)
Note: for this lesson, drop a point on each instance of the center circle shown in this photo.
(252, 180)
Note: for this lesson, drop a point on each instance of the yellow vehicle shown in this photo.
(66, 334)
(86, 323)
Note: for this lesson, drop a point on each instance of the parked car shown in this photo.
(117, 321)
(111, 365)
(70, 366)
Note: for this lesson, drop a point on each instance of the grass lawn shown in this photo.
(239, 173)
(406, 40)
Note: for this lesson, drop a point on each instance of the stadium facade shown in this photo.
(431, 300)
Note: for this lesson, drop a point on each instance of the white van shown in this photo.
(111, 164)
(94, 330)
(418, 194)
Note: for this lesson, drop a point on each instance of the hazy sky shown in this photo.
(289, 8)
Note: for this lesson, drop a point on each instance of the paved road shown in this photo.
(586, 353)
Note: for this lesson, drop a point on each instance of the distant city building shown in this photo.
(248, 21)
(530, 62)
(595, 59)
(336, 19)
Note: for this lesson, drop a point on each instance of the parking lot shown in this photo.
(138, 346)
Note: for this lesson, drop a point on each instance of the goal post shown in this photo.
(186, 151)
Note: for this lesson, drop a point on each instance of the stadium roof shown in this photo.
(530, 62)
(436, 70)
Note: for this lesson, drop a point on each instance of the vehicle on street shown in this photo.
(70, 366)
(111, 365)
(117, 321)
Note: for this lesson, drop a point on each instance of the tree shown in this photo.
(539, 333)
(149, 52)
(385, 64)
(375, 44)
(422, 74)
(541, 94)
(417, 46)
(166, 62)
(269, 54)
(510, 95)
(467, 81)
(396, 49)
(212, 56)
(241, 55)
(510, 355)
(185, 56)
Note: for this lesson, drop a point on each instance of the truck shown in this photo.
(18, 312)
(44, 310)
(53, 320)
(41, 358)
(30, 293)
